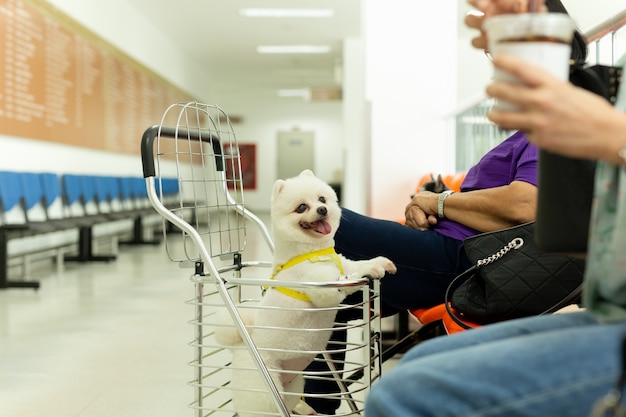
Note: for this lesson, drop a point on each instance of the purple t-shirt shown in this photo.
(515, 159)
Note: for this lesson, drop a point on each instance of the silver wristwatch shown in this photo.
(442, 198)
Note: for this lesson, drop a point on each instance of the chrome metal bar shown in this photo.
(199, 334)
(232, 310)
(610, 25)
(250, 216)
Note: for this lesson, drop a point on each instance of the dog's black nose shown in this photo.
(322, 210)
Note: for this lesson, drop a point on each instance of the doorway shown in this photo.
(295, 152)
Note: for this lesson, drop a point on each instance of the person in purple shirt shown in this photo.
(499, 191)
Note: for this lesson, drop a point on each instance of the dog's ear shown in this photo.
(307, 172)
(278, 186)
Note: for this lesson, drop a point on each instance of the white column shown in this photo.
(357, 139)
(410, 78)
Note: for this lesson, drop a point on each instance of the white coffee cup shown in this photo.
(543, 39)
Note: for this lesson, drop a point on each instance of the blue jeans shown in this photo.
(555, 365)
(427, 261)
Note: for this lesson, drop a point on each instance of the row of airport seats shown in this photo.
(71, 217)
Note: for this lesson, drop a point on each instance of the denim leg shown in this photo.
(556, 365)
(426, 260)
(496, 331)
(329, 400)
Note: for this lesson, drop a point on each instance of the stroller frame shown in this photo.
(204, 228)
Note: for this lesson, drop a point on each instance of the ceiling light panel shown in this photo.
(293, 49)
(304, 93)
(287, 12)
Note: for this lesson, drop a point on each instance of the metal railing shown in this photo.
(474, 135)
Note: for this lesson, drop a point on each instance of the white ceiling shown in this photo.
(223, 41)
(214, 32)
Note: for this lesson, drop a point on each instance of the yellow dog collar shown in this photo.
(322, 255)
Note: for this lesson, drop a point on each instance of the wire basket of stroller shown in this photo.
(194, 150)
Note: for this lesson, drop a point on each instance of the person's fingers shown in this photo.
(413, 225)
(493, 7)
(527, 72)
(539, 6)
(474, 19)
(505, 91)
(479, 4)
(510, 120)
(415, 218)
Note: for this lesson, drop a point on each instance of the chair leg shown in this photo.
(401, 329)
(4, 268)
(85, 249)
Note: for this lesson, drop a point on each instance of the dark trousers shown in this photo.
(426, 261)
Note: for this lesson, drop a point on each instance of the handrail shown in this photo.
(610, 25)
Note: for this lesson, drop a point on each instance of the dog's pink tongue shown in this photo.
(322, 227)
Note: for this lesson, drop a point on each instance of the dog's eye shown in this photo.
(322, 199)
(302, 208)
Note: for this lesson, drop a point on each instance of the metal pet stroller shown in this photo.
(195, 149)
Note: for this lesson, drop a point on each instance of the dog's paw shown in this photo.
(379, 266)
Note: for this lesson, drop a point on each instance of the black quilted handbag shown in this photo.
(512, 278)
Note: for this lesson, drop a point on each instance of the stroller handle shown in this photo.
(147, 145)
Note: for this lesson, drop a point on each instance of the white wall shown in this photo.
(356, 131)
(588, 14)
(411, 84)
(19, 154)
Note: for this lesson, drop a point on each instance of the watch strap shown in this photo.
(441, 200)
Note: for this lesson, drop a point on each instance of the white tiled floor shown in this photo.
(100, 339)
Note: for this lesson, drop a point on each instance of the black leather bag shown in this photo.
(512, 278)
(566, 184)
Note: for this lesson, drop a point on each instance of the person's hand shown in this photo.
(419, 213)
(556, 115)
(474, 20)
(488, 8)
(493, 7)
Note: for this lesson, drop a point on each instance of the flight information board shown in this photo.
(61, 83)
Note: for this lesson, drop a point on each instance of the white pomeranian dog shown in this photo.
(286, 328)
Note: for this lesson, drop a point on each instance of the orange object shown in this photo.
(452, 181)
(439, 313)
(423, 180)
(457, 180)
(428, 315)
